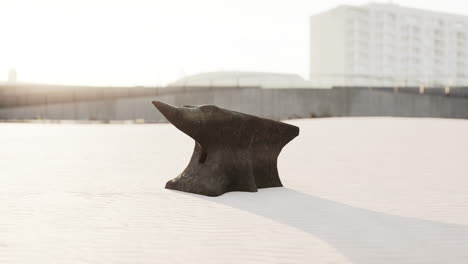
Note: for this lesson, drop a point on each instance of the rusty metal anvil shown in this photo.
(233, 151)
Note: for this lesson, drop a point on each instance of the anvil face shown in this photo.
(198, 122)
(233, 151)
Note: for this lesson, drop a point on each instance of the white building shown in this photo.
(388, 45)
(12, 76)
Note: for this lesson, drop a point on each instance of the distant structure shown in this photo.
(12, 76)
(388, 45)
(243, 79)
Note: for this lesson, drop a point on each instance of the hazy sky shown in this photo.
(151, 42)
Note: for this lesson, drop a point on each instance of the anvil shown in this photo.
(233, 151)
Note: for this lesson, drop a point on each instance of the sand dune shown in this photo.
(358, 190)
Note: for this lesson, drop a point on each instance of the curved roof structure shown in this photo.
(242, 79)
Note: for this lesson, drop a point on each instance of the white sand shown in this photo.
(358, 190)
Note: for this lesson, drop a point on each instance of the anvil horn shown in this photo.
(169, 111)
(176, 116)
(233, 151)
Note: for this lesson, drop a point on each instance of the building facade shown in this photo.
(388, 45)
(12, 76)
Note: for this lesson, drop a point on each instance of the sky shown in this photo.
(154, 42)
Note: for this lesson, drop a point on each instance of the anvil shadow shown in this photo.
(361, 235)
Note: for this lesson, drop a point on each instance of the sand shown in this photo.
(357, 190)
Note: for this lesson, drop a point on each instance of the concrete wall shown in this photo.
(270, 103)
